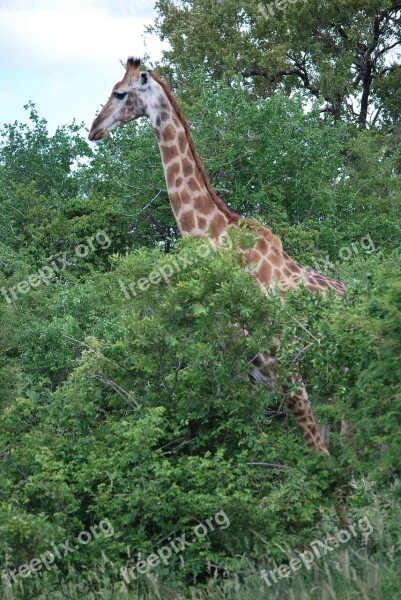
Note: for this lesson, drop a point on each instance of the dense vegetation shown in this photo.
(134, 408)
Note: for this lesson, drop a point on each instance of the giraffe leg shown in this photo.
(299, 406)
(297, 401)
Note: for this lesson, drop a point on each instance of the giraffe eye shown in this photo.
(120, 95)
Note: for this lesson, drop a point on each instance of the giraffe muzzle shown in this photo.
(97, 134)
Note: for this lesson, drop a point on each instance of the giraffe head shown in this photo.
(129, 100)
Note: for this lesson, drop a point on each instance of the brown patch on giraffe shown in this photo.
(158, 121)
(187, 167)
(187, 221)
(185, 196)
(269, 236)
(264, 272)
(182, 142)
(218, 224)
(293, 267)
(277, 274)
(254, 256)
(175, 201)
(287, 272)
(275, 258)
(199, 179)
(262, 246)
(202, 222)
(169, 133)
(176, 122)
(203, 204)
(169, 153)
(322, 281)
(172, 173)
(298, 411)
(193, 185)
(179, 181)
(165, 116)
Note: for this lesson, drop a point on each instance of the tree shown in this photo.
(338, 52)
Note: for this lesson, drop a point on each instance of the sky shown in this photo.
(64, 55)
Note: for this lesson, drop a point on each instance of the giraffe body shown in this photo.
(199, 212)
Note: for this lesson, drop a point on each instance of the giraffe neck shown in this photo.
(191, 197)
(200, 213)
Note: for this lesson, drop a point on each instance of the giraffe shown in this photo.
(199, 212)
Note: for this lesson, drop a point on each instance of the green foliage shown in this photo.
(160, 429)
(156, 427)
(334, 52)
(369, 338)
(136, 405)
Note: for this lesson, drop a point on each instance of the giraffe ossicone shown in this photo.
(199, 212)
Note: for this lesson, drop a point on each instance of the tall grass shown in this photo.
(361, 569)
(349, 574)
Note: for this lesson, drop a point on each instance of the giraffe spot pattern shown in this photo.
(204, 204)
(202, 222)
(169, 133)
(254, 256)
(217, 225)
(264, 272)
(193, 185)
(182, 142)
(187, 167)
(294, 267)
(172, 173)
(169, 153)
(175, 202)
(187, 221)
(262, 246)
(275, 258)
(185, 196)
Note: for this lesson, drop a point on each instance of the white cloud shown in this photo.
(65, 36)
(64, 54)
